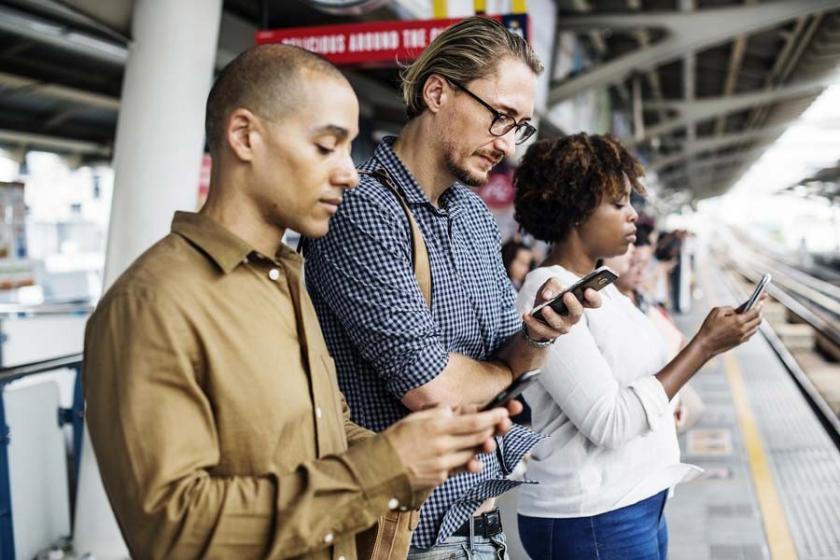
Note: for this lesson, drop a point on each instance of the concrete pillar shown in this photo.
(160, 130)
(157, 158)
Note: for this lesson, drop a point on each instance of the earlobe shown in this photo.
(240, 129)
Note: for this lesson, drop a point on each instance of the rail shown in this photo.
(73, 416)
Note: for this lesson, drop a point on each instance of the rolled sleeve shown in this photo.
(363, 273)
(651, 394)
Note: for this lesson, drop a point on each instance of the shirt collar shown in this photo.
(226, 249)
(384, 155)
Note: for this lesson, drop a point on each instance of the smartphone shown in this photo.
(759, 289)
(597, 279)
(513, 390)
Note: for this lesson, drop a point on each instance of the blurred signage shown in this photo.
(498, 192)
(375, 43)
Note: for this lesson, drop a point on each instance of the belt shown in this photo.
(486, 525)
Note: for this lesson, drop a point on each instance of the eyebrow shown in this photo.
(338, 131)
(510, 111)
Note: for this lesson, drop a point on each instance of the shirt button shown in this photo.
(329, 538)
(403, 508)
(393, 504)
(318, 412)
(274, 274)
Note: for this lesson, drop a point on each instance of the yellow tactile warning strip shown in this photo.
(773, 517)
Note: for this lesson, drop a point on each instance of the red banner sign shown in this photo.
(380, 42)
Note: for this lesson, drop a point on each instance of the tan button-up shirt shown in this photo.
(214, 412)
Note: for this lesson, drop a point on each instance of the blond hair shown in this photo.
(467, 51)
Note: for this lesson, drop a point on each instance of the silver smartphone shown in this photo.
(753, 299)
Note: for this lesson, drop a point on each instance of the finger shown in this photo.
(574, 306)
(503, 427)
(472, 466)
(556, 323)
(539, 330)
(464, 409)
(488, 446)
(473, 423)
(458, 460)
(592, 299)
(514, 407)
(549, 289)
(751, 314)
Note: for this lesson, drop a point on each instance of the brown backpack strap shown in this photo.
(419, 252)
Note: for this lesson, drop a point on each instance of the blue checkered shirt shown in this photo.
(380, 331)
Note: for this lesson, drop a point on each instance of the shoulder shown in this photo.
(169, 271)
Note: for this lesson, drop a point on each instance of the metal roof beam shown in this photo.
(703, 145)
(688, 32)
(50, 143)
(706, 108)
(61, 93)
(44, 31)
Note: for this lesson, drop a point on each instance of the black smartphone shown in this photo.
(753, 299)
(597, 279)
(513, 390)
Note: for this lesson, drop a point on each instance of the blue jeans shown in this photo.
(458, 548)
(636, 532)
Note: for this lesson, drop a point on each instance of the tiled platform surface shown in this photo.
(718, 517)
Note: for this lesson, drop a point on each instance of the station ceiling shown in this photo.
(707, 84)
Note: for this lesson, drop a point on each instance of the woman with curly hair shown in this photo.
(605, 390)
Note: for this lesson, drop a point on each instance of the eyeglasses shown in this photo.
(502, 123)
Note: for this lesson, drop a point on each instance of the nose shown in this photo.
(346, 175)
(506, 143)
(633, 214)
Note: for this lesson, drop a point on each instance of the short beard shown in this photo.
(461, 174)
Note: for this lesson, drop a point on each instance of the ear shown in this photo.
(242, 126)
(436, 92)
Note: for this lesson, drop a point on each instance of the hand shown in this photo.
(680, 415)
(435, 443)
(555, 324)
(724, 329)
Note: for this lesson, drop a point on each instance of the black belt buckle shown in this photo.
(492, 523)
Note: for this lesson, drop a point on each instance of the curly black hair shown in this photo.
(561, 181)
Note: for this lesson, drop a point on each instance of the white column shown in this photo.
(160, 130)
(157, 157)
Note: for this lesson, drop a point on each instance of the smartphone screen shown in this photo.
(753, 299)
(513, 390)
(597, 279)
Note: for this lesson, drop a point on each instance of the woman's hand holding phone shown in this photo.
(724, 328)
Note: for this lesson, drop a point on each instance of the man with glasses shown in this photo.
(469, 98)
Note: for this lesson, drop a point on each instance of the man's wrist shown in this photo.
(536, 343)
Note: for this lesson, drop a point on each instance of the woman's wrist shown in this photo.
(701, 345)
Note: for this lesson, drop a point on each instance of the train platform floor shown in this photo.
(772, 483)
(771, 487)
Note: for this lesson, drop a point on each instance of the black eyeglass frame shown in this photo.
(497, 115)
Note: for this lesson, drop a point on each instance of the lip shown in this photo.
(490, 161)
(631, 237)
(331, 204)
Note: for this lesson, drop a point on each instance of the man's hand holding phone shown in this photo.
(437, 442)
(543, 322)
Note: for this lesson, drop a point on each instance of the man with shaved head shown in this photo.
(212, 401)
